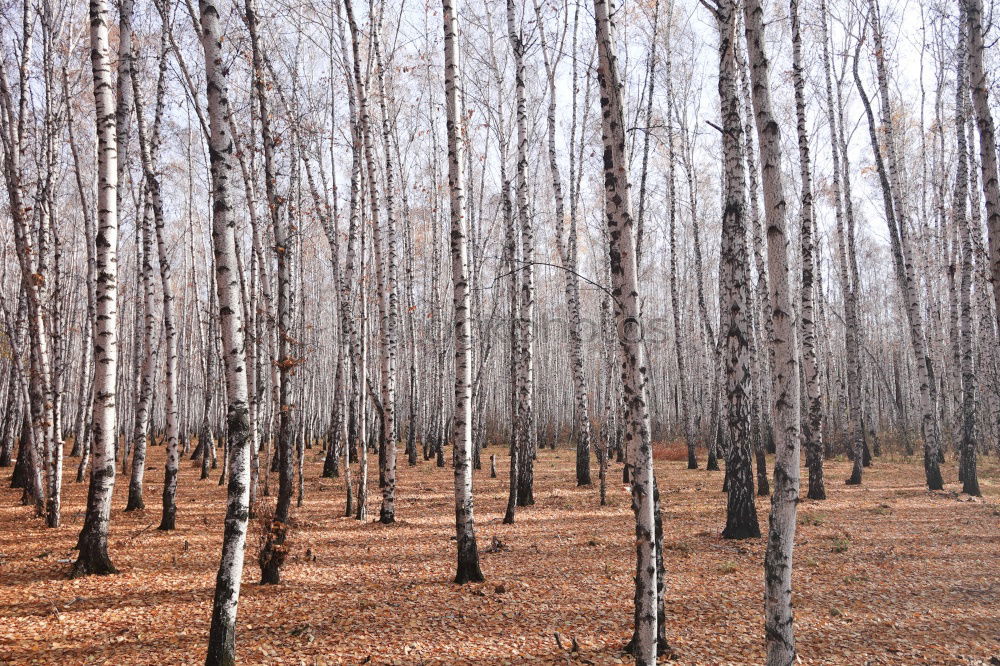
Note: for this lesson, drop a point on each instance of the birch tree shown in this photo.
(741, 513)
(625, 299)
(93, 541)
(222, 636)
(987, 138)
(967, 464)
(785, 371)
(468, 570)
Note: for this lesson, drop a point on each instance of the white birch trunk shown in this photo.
(967, 466)
(93, 542)
(625, 298)
(526, 321)
(778, 626)
(222, 636)
(468, 554)
(987, 139)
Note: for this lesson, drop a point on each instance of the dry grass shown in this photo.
(674, 450)
(887, 573)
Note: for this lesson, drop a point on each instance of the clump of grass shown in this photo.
(836, 612)
(882, 509)
(840, 545)
(728, 567)
(682, 547)
(815, 519)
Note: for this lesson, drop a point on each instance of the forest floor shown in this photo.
(886, 573)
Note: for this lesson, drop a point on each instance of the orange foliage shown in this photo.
(674, 450)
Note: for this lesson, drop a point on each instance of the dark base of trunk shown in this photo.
(330, 468)
(934, 480)
(741, 512)
(713, 463)
(663, 648)
(169, 520)
(270, 575)
(386, 517)
(741, 531)
(817, 491)
(221, 645)
(468, 563)
(93, 558)
(971, 487)
(583, 467)
(692, 460)
(272, 553)
(135, 502)
(763, 487)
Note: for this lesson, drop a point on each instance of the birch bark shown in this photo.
(93, 542)
(222, 635)
(468, 554)
(625, 298)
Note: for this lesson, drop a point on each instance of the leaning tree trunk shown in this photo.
(741, 512)
(812, 424)
(778, 626)
(37, 375)
(468, 554)
(386, 262)
(895, 208)
(93, 542)
(970, 479)
(153, 219)
(987, 138)
(568, 256)
(222, 636)
(272, 554)
(847, 260)
(526, 322)
(145, 396)
(149, 149)
(625, 298)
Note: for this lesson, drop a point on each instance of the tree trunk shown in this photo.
(222, 636)
(968, 474)
(625, 290)
(778, 625)
(468, 553)
(93, 542)
(741, 513)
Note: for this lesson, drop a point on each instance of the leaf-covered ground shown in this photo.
(887, 573)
